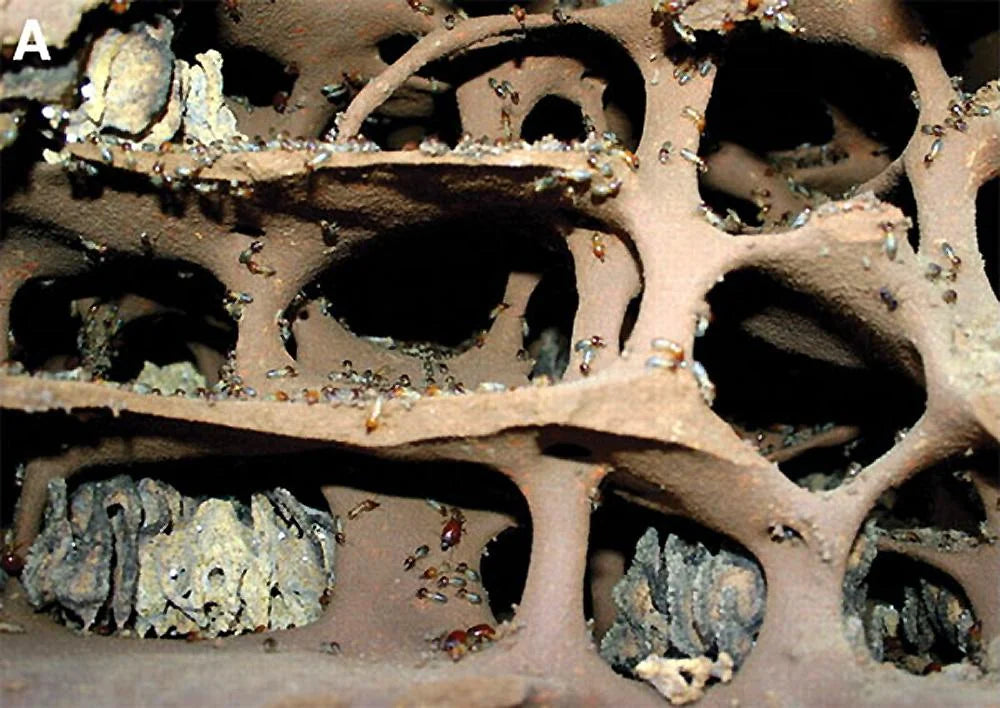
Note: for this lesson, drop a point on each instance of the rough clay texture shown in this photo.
(182, 566)
(266, 218)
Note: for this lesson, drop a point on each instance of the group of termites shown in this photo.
(965, 105)
(459, 578)
(445, 576)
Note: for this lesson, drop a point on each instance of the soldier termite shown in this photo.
(545, 183)
(361, 507)
(285, 371)
(418, 6)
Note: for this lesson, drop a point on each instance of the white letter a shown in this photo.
(31, 41)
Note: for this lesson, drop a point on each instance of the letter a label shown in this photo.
(32, 40)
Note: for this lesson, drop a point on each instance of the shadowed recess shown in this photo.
(120, 315)
(504, 567)
(806, 389)
(910, 614)
(988, 230)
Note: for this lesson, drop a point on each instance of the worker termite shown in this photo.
(609, 189)
(559, 16)
(664, 154)
(361, 507)
(695, 116)
(890, 244)
(372, 421)
(437, 506)
(693, 158)
(418, 6)
(495, 312)
(598, 247)
(285, 371)
(473, 597)
(316, 160)
(449, 22)
(412, 559)
(425, 594)
(519, 13)
(950, 254)
(949, 296)
(338, 528)
(514, 96)
(934, 151)
(888, 299)
(801, 219)
(705, 386)
(672, 349)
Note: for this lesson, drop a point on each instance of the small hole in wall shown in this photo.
(901, 195)
(259, 77)
(556, 116)
(392, 48)
(811, 390)
(662, 585)
(504, 569)
(987, 228)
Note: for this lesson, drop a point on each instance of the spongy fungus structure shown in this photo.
(445, 352)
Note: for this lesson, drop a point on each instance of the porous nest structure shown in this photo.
(500, 299)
